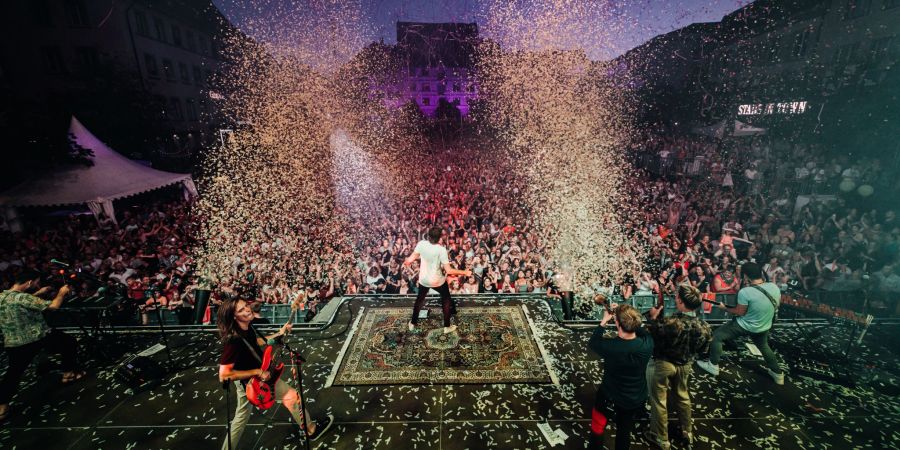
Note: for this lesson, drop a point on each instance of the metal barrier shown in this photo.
(590, 315)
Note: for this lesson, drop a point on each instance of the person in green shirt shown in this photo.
(623, 391)
(25, 332)
(754, 314)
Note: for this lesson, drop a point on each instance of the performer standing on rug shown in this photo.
(240, 361)
(433, 271)
(623, 390)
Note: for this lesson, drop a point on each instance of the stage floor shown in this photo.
(740, 409)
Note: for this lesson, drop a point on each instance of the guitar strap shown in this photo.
(250, 347)
(771, 300)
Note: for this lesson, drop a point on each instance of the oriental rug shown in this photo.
(493, 344)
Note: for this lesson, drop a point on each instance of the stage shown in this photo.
(740, 409)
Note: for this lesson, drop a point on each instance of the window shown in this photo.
(774, 46)
(160, 102)
(175, 112)
(426, 87)
(159, 29)
(426, 101)
(879, 49)
(168, 69)
(76, 13)
(150, 66)
(191, 110)
(140, 23)
(87, 59)
(40, 12)
(198, 76)
(189, 40)
(846, 54)
(412, 87)
(857, 8)
(801, 43)
(176, 35)
(203, 45)
(53, 60)
(472, 87)
(185, 75)
(457, 87)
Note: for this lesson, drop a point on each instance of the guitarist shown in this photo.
(753, 316)
(26, 332)
(239, 363)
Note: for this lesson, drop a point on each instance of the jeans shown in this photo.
(20, 357)
(624, 419)
(447, 303)
(731, 331)
(668, 385)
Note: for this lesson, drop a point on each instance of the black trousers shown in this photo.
(448, 304)
(623, 417)
(20, 357)
(566, 298)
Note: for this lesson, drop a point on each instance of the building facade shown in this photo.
(434, 63)
(801, 59)
(169, 49)
(802, 66)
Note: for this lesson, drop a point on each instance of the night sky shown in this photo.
(644, 18)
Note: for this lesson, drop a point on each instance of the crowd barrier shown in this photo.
(837, 304)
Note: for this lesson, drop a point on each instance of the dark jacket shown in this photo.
(679, 338)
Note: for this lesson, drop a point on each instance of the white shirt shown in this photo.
(431, 271)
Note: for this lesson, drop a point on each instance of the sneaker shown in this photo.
(450, 329)
(322, 426)
(411, 326)
(655, 441)
(778, 377)
(709, 367)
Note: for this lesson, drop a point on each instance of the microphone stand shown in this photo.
(162, 329)
(226, 385)
(297, 360)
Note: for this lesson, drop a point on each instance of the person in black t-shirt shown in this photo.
(623, 391)
(241, 360)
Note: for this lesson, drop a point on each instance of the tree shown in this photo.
(107, 100)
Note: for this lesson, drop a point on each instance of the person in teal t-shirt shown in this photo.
(757, 304)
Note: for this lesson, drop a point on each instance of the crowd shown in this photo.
(727, 205)
(780, 206)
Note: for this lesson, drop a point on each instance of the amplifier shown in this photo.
(142, 371)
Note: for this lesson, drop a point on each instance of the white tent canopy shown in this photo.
(744, 129)
(111, 177)
(718, 130)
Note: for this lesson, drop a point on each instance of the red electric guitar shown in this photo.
(261, 394)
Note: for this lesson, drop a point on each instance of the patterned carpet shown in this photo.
(494, 344)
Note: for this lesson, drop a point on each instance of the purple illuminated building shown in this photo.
(434, 63)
